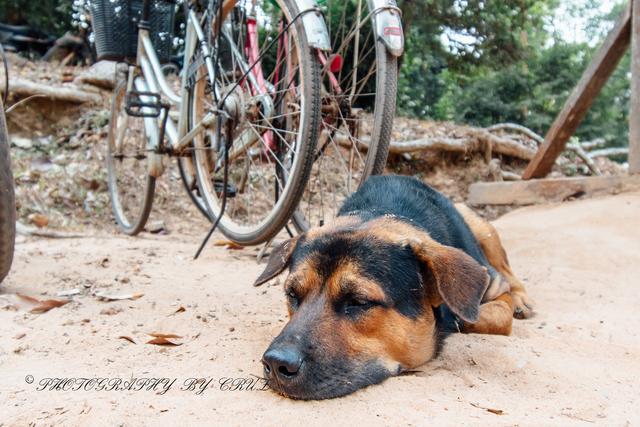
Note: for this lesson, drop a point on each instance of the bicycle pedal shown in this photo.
(218, 186)
(143, 104)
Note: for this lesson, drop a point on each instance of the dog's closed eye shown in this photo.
(293, 298)
(355, 305)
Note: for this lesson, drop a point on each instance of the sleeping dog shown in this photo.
(377, 291)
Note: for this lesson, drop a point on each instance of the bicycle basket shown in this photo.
(115, 26)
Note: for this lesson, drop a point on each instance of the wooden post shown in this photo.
(634, 108)
(593, 79)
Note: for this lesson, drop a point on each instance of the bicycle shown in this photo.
(245, 123)
(358, 89)
(359, 83)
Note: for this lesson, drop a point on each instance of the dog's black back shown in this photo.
(408, 199)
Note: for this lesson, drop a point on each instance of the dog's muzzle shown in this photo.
(282, 363)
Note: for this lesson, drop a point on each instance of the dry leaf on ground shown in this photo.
(124, 337)
(68, 292)
(162, 341)
(492, 410)
(38, 220)
(47, 305)
(159, 335)
(42, 306)
(105, 297)
(228, 244)
(180, 309)
(27, 298)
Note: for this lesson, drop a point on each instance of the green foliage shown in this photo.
(50, 16)
(482, 63)
(470, 61)
(422, 85)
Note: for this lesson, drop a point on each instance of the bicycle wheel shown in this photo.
(359, 83)
(276, 127)
(7, 201)
(130, 186)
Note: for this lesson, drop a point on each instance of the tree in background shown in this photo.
(49, 16)
(481, 63)
(450, 41)
(52, 17)
(470, 61)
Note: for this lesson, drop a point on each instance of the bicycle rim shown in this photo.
(130, 186)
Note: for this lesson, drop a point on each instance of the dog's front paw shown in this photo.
(522, 305)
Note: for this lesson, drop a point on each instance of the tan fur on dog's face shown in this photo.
(397, 340)
(361, 298)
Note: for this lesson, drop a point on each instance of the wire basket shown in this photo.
(115, 25)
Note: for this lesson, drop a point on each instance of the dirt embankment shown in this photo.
(59, 147)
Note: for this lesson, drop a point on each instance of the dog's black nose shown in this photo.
(283, 362)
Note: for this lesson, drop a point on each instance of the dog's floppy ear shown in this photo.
(459, 280)
(278, 261)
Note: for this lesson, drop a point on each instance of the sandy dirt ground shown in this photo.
(575, 363)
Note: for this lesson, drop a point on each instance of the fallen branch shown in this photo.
(68, 93)
(506, 146)
(606, 152)
(480, 138)
(579, 151)
(477, 139)
(21, 102)
(590, 145)
(518, 128)
(586, 145)
(527, 192)
(436, 144)
(497, 174)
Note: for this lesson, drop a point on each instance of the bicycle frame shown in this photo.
(155, 81)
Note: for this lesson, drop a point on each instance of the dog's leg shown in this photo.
(495, 318)
(489, 241)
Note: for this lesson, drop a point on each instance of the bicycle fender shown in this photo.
(388, 24)
(314, 26)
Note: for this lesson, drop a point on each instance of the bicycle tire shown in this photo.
(386, 107)
(129, 224)
(7, 201)
(285, 206)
